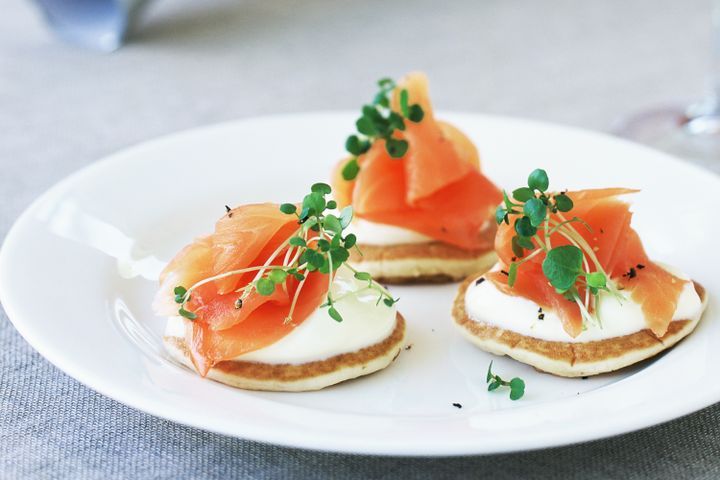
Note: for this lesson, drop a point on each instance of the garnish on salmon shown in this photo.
(261, 273)
(432, 184)
(561, 249)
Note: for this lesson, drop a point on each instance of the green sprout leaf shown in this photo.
(517, 388)
(288, 208)
(416, 113)
(562, 265)
(332, 224)
(305, 256)
(538, 180)
(350, 240)
(304, 213)
(517, 249)
(396, 121)
(317, 260)
(536, 211)
(525, 242)
(366, 126)
(340, 254)
(501, 215)
(321, 188)
(381, 98)
(346, 216)
(596, 280)
(404, 107)
(386, 83)
(314, 202)
(187, 314)
(356, 146)
(523, 194)
(334, 314)
(297, 242)
(277, 276)
(350, 170)
(265, 286)
(323, 244)
(363, 276)
(335, 242)
(508, 203)
(563, 202)
(371, 113)
(524, 227)
(396, 148)
(390, 301)
(180, 293)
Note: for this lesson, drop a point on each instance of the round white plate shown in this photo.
(78, 269)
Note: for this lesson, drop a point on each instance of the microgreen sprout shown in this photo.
(318, 245)
(380, 122)
(538, 214)
(517, 385)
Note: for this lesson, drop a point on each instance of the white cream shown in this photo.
(371, 233)
(319, 337)
(485, 303)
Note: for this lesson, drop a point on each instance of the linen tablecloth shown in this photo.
(193, 63)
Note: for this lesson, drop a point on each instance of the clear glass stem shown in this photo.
(710, 105)
(693, 131)
(715, 59)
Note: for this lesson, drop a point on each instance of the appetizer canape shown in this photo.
(423, 210)
(573, 292)
(268, 302)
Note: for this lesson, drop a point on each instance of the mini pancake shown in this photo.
(303, 376)
(432, 262)
(567, 359)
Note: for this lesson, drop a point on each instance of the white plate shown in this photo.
(73, 280)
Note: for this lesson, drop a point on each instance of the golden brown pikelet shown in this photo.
(299, 377)
(432, 262)
(569, 359)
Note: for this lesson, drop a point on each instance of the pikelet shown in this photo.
(573, 292)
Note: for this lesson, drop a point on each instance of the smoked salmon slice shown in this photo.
(618, 249)
(435, 189)
(247, 236)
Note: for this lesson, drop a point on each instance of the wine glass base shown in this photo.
(671, 129)
(706, 125)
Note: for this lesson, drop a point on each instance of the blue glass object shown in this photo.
(95, 24)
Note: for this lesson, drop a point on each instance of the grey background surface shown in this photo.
(191, 63)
